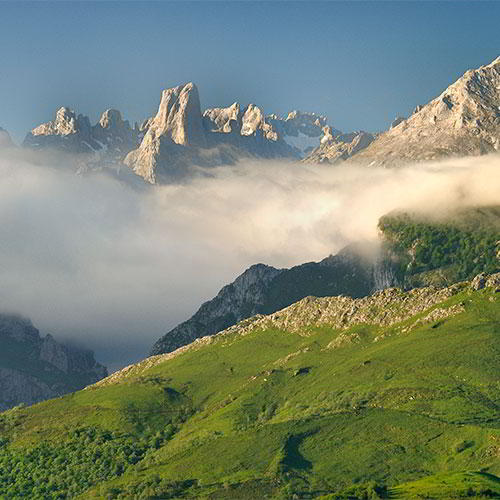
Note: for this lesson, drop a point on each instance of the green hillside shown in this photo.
(441, 251)
(392, 396)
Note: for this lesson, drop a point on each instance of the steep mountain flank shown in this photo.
(389, 396)
(34, 368)
(264, 289)
(463, 120)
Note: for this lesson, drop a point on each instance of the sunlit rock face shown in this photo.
(68, 132)
(180, 138)
(104, 144)
(464, 120)
(338, 148)
(34, 368)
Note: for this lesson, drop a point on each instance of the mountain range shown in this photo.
(180, 139)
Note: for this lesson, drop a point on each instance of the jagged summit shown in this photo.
(340, 147)
(223, 119)
(179, 137)
(65, 122)
(105, 144)
(463, 120)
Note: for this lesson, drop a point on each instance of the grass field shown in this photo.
(410, 410)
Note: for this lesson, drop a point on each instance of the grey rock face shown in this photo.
(236, 301)
(179, 138)
(34, 368)
(263, 289)
(340, 148)
(67, 132)
(397, 121)
(223, 119)
(178, 122)
(103, 145)
(463, 120)
(114, 136)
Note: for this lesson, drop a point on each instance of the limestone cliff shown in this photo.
(34, 368)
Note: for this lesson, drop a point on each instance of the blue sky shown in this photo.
(360, 63)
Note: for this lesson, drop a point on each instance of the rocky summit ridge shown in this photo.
(104, 144)
(180, 137)
(464, 120)
(34, 368)
(264, 289)
(386, 308)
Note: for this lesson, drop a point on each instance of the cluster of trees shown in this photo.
(88, 457)
(153, 487)
(425, 246)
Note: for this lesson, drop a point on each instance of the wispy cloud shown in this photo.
(114, 267)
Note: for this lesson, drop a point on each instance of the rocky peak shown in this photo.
(66, 122)
(334, 149)
(177, 123)
(310, 124)
(112, 119)
(463, 120)
(303, 131)
(17, 328)
(179, 116)
(223, 119)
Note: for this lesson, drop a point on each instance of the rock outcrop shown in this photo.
(179, 138)
(35, 368)
(464, 120)
(104, 144)
(303, 131)
(224, 120)
(338, 148)
(68, 132)
(263, 289)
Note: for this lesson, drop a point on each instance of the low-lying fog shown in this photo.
(113, 267)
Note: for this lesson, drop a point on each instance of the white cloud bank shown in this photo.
(114, 267)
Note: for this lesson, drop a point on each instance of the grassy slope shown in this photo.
(251, 421)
